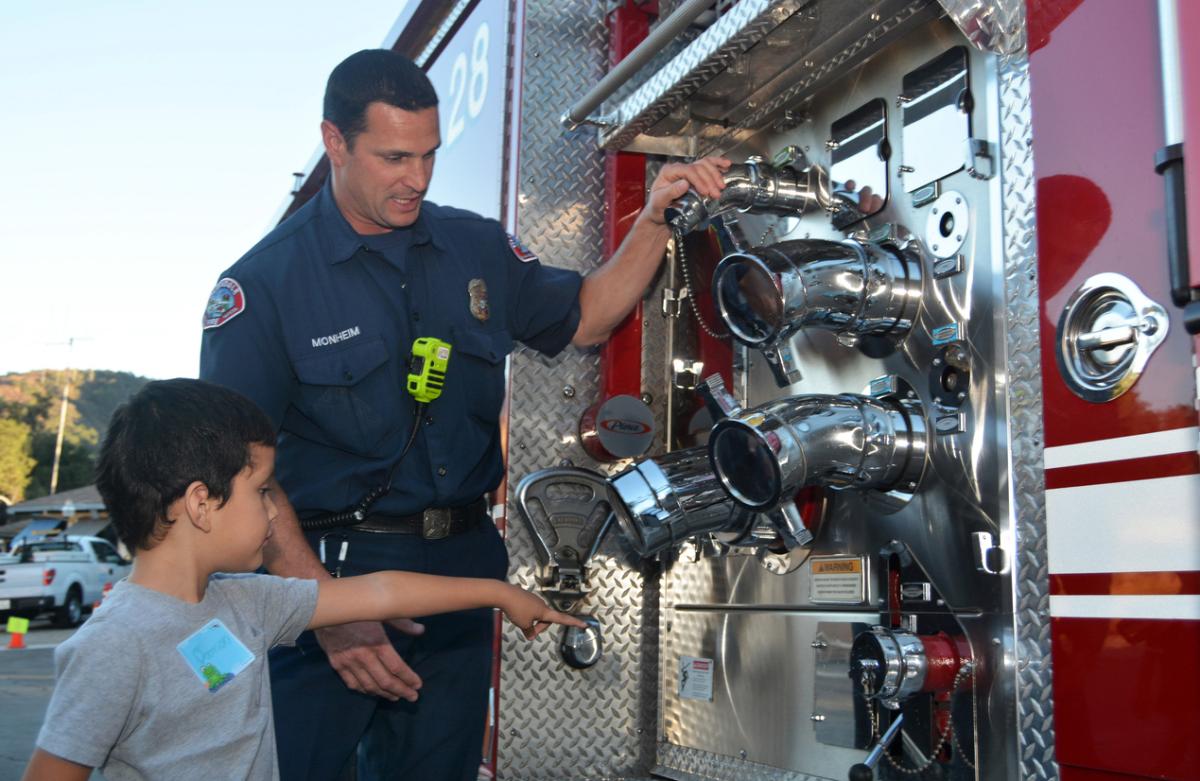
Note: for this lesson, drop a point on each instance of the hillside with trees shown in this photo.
(30, 407)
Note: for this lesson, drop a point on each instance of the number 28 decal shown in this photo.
(468, 84)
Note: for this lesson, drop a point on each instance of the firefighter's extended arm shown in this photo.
(610, 292)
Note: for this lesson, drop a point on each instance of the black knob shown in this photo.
(861, 772)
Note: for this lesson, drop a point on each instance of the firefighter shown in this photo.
(320, 323)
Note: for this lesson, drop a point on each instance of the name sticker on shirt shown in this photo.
(215, 655)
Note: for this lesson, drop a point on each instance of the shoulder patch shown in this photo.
(520, 250)
(226, 302)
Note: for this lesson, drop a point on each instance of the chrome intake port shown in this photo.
(770, 452)
(854, 288)
(662, 501)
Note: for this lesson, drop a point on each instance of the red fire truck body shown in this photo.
(895, 468)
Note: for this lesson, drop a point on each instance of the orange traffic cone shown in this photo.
(103, 596)
(16, 641)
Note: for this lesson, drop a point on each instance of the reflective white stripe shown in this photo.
(1186, 606)
(1179, 440)
(497, 511)
(1135, 526)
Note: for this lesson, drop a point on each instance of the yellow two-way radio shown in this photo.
(428, 369)
(426, 378)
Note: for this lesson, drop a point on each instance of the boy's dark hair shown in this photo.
(169, 435)
(374, 75)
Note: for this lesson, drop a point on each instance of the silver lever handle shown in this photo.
(1124, 333)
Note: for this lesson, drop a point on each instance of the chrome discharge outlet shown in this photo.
(888, 665)
(854, 288)
(788, 188)
(767, 453)
(660, 502)
(891, 665)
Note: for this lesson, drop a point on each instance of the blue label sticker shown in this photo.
(947, 333)
(215, 654)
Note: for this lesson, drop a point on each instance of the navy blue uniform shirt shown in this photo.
(316, 324)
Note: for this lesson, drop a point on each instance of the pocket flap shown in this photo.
(346, 366)
(492, 346)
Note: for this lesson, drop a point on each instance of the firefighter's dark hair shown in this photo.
(374, 75)
(170, 434)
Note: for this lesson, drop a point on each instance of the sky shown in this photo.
(144, 146)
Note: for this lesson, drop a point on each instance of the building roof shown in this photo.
(82, 499)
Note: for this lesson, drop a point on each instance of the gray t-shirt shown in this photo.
(127, 701)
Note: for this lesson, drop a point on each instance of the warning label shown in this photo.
(838, 580)
(695, 678)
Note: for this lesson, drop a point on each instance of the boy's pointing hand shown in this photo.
(529, 613)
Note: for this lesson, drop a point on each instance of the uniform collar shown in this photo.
(341, 242)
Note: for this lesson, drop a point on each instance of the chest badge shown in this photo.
(477, 290)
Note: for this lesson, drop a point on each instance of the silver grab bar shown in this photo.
(654, 43)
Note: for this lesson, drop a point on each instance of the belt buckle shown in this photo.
(435, 523)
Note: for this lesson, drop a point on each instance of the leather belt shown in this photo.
(435, 523)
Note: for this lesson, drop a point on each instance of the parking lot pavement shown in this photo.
(26, 680)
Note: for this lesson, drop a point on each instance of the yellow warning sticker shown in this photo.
(838, 580)
(837, 567)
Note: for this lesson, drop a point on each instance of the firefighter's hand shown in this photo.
(365, 659)
(529, 613)
(675, 179)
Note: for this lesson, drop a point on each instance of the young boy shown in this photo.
(168, 679)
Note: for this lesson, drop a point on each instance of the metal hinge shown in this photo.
(981, 159)
(672, 301)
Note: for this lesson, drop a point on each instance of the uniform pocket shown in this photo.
(350, 395)
(481, 371)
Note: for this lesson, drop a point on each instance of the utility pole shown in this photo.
(62, 418)
(62, 425)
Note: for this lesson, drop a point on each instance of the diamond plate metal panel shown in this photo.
(1035, 708)
(820, 72)
(556, 722)
(997, 26)
(689, 764)
(560, 723)
(712, 52)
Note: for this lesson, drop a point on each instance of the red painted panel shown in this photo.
(1095, 82)
(1125, 696)
(1125, 583)
(1072, 773)
(1168, 465)
(624, 196)
(621, 355)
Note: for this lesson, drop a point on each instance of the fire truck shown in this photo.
(893, 472)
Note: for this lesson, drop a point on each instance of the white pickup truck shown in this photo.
(62, 575)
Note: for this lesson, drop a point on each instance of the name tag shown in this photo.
(215, 654)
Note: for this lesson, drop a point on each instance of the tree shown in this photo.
(34, 400)
(16, 460)
(75, 466)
